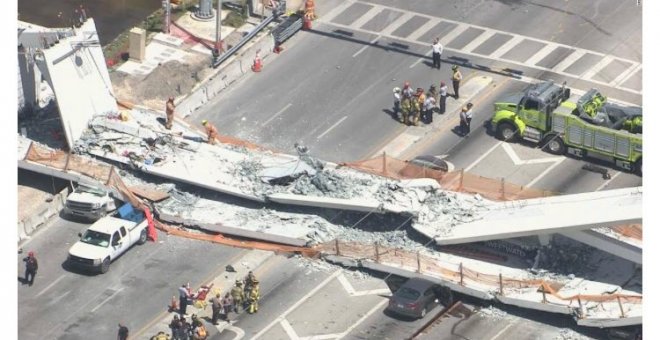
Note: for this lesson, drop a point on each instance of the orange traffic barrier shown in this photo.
(256, 66)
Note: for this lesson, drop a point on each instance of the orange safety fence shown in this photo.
(461, 274)
(458, 181)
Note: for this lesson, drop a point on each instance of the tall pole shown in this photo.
(218, 27)
(166, 22)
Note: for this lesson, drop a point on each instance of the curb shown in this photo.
(46, 211)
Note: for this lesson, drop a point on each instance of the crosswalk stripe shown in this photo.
(337, 10)
(588, 74)
(569, 60)
(515, 40)
(424, 28)
(625, 75)
(479, 40)
(402, 19)
(447, 38)
(540, 54)
(372, 12)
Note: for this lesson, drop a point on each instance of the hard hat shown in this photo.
(406, 84)
(204, 122)
(396, 90)
(455, 67)
(255, 281)
(238, 282)
(469, 105)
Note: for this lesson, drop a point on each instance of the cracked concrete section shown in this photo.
(140, 139)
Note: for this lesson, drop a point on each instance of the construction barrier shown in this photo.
(459, 181)
(459, 274)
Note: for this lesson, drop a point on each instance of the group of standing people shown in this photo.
(184, 330)
(416, 105)
(246, 294)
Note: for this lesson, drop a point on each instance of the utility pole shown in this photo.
(218, 27)
(166, 23)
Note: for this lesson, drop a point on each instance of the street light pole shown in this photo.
(218, 27)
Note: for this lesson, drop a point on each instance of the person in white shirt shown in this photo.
(443, 97)
(466, 118)
(427, 112)
(397, 102)
(437, 52)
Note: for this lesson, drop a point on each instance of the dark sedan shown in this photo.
(414, 298)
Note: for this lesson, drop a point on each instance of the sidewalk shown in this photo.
(221, 284)
(413, 134)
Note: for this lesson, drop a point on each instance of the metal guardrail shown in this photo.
(287, 28)
(219, 59)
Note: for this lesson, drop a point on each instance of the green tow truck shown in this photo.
(586, 125)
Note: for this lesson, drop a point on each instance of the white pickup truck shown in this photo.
(108, 238)
(89, 202)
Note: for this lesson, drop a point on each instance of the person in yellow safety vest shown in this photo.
(169, 111)
(253, 298)
(211, 132)
(456, 78)
(161, 336)
(406, 107)
(250, 279)
(237, 295)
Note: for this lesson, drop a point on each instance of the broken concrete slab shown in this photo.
(550, 215)
(326, 202)
(606, 243)
(285, 173)
(149, 192)
(82, 88)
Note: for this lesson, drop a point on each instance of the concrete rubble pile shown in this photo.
(140, 140)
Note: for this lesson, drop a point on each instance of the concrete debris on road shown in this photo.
(493, 313)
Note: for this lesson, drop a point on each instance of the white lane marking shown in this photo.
(608, 181)
(352, 292)
(481, 158)
(421, 59)
(515, 40)
(625, 75)
(276, 114)
(50, 285)
(447, 38)
(107, 299)
(364, 317)
(289, 330)
(337, 10)
(540, 54)
(502, 331)
(57, 299)
(568, 61)
(517, 161)
(371, 13)
(298, 303)
(240, 333)
(588, 74)
(547, 171)
(365, 47)
(332, 127)
(485, 35)
(423, 29)
(402, 19)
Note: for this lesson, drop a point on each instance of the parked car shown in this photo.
(89, 202)
(414, 298)
(420, 166)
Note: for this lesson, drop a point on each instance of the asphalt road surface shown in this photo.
(331, 87)
(70, 305)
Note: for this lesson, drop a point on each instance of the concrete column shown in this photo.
(137, 44)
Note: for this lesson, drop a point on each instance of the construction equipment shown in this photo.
(585, 125)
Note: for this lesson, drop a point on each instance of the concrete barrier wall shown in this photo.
(45, 212)
(233, 70)
(326, 202)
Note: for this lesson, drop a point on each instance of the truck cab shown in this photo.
(88, 202)
(585, 125)
(108, 238)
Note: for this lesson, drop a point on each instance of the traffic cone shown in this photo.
(174, 304)
(256, 65)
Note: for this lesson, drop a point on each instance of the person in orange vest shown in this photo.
(211, 132)
(169, 111)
